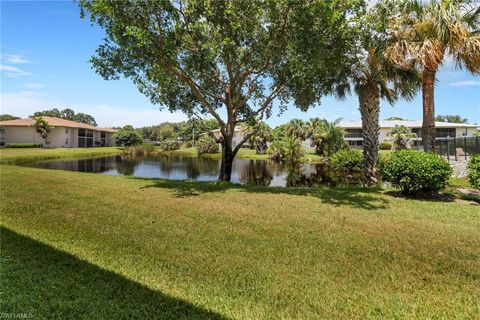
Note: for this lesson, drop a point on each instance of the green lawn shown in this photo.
(78, 245)
(19, 155)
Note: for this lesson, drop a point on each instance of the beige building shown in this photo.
(442, 130)
(354, 131)
(64, 134)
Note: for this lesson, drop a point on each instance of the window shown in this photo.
(417, 132)
(103, 138)
(445, 132)
(353, 133)
(66, 130)
(85, 138)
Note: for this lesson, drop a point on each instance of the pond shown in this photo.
(253, 172)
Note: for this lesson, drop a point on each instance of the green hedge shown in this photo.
(170, 145)
(474, 172)
(415, 171)
(385, 145)
(23, 145)
(347, 166)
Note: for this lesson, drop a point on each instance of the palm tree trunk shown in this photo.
(428, 126)
(369, 100)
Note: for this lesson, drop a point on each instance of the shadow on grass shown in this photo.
(365, 198)
(41, 282)
(440, 197)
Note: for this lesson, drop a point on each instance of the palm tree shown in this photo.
(374, 78)
(328, 137)
(42, 128)
(261, 135)
(297, 128)
(401, 137)
(293, 150)
(424, 35)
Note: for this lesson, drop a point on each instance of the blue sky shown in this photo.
(45, 48)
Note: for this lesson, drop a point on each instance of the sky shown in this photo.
(45, 47)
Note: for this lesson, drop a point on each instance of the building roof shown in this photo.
(54, 122)
(406, 123)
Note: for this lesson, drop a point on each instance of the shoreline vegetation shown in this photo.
(171, 250)
(25, 155)
(20, 155)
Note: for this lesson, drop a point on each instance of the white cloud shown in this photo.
(465, 83)
(34, 85)
(14, 59)
(25, 103)
(13, 72)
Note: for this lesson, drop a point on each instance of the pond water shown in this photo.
(254, 172)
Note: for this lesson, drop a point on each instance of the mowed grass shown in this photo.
(78, 245)
(19, 155)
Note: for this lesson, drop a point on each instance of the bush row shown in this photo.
(410, 171)
(415, 171)
(23, 145)
(170, 145)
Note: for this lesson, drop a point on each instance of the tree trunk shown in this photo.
(428, 126)
(369, 100)
(228, 155)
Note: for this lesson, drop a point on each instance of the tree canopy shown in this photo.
(5, 117)
(451, 118)
(229, 59)
(395, 119)
(128, 136)
(67, 114)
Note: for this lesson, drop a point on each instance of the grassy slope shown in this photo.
(19, 155)
(83, 245)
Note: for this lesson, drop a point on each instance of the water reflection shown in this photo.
(254, 172)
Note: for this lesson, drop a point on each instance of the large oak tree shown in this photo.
(229, 59)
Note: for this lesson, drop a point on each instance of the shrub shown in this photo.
(401, 137)
(133, 151)
(474, 172)
(128, 136)
(188, 144)
(385, 145)
(148, 148)
(293, 150)
(347, 166)
(276, 150)
(169, 145)
(207, 144)
(23, 145)
(415, 171)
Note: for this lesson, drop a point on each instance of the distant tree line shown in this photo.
(6, 117)
(446, 118)
(185, 130)
(67, 114)
(451, 118)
